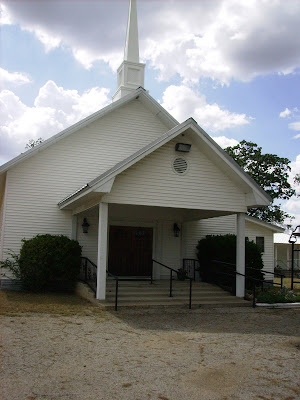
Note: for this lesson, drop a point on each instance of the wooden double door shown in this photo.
(130, 251)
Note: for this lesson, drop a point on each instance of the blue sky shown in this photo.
(233, 65)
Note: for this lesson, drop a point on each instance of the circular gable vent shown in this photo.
(180, 165)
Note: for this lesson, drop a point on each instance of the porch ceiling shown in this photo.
(125, 212)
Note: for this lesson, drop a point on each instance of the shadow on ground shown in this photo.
(214, 320)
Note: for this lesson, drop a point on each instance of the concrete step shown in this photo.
(144, 294)
(232, 301)
(133, 295)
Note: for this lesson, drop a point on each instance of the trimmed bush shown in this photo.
(45, 259)
(222, 248)
(275, 295)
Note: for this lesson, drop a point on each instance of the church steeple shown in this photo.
(131, 52)
(131, 71)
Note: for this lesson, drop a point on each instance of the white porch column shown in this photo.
(240, 254)
(102, 251)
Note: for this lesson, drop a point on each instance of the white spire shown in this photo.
(131, 52)
(131, 71)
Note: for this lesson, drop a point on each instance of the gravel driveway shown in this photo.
(143, 354)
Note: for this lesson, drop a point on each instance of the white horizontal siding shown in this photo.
(152, 181)
(89, 241)
(195, 231)
(171, 249)
(36, 185)
(254, 230)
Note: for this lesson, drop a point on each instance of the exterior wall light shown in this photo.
(85, 226)
(292, 240)
(183, 147)
(176, 230)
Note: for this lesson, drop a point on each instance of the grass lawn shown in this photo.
(19, 303)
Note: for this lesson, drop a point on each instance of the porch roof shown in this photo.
(275, 228)
(102, 184)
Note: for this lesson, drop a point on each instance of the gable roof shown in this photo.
(283, 238)
(267, 225)
(256, 195)
(139, 93)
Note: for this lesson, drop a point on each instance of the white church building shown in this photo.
(147, 186)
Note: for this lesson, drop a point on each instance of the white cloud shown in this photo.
(13, 78)
(182, 102)
(54, 110)
(224, 142)
(295, 126)
(285, 113)
(222, 40)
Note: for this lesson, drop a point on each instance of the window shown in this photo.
(260, 241)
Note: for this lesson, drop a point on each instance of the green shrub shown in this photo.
(222, 248)
(45, 259)
(275, 295)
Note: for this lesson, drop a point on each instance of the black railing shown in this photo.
(171, 281)
(255, 282)
(287, 273)
(191, 266)
(118, 278)
(264, 271)
(88, 273)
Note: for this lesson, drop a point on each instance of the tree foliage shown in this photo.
(271, 172)
(297, 183)
(32, 143)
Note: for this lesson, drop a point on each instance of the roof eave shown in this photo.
(91, 118)
(264, 224)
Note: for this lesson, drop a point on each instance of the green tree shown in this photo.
(297, 184)
(271, 172)
(32, 143)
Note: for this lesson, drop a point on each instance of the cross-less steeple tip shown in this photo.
(131, 52)
(131, 71)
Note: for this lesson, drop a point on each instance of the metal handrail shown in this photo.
(121, 278)
(234, 273)
(86, 273)
(91, 262)
(264, 271)
(195, 260)
(171, 280)
(246, 277)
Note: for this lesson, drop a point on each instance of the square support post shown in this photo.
(240, 255)
(102, 251)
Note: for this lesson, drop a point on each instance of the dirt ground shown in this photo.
(61, 348)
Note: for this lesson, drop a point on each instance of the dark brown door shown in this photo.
(130, 251)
